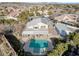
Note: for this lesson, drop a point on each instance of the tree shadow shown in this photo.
(55, 41)
(72, 51)
(15, 43)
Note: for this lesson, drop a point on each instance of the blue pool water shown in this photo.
(38, 43)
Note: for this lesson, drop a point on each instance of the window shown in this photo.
(37, 35)
(42, 26)
(24, 35)
(40, 34)
(36, 27)
(28, 35)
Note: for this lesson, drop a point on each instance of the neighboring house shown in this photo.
(36, 35)
(72, 18)
(13, 12)
(12, 18)
(64, 29)
(5, 47)
(8, 18)
(52, 17)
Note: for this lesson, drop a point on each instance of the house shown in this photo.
(36, 35)
(5, 48)
(52, 17)
(36, 28)
(67, 18)
(13, 12)
(64, 29)
(8, 18)
(39, 27)
(11, 18)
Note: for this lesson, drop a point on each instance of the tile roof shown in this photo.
(65, 27)
(38, 20)
(71, 16)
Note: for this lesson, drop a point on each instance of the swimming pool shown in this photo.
(38, 43)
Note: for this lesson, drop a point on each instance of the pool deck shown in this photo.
(28, 49)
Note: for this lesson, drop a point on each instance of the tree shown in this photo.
(23, 16)
(31, 14)
(50, 13)
(59, 49)
(70, 36)
(76, 39)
